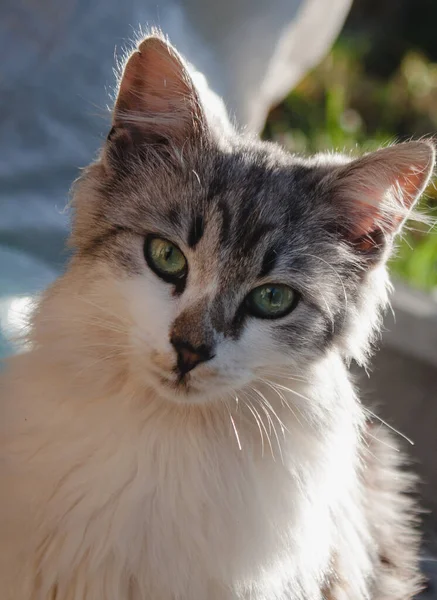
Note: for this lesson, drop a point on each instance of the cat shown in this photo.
(183, 425)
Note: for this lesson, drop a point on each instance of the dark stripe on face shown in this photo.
(196, 231)
(174, 217)
(256, 177)
(225, 230)
(235, 328)
(218, 184)
(244, 215)
(269, 262)
(231, 327)
(253, 237)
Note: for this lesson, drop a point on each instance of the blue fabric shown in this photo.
(22, 276)
(55, 77)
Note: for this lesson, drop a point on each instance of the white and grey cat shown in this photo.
(183, 425)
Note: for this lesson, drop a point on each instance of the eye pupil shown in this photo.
(165, 259)
(275, 297)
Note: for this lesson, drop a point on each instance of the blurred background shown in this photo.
(362, 74)
(378, 84)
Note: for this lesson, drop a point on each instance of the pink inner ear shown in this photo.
(378, 191)
(389, 215)
(153, 79)
(376, 209)
(156, 91)
(363, 210)
(412, 184)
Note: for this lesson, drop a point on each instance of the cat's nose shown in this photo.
(190, 356)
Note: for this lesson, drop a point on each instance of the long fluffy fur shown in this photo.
(262, 478)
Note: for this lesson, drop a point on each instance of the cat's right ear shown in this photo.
(375, 194)
(157, 103)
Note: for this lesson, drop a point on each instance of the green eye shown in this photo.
(271, 301)
(165, 259)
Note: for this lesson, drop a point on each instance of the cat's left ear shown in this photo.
(374, 195)
(157, 102)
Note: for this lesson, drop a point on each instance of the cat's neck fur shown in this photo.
(148, 474)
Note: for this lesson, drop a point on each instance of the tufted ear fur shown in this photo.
(374, 195)
(157, 102)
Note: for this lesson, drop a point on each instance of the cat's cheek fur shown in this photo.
(364, 318)
(152, 308)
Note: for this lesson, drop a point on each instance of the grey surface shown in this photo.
(403, 390)
(412, 327)
(429, 568)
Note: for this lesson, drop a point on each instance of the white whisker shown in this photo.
(402, 435)
(256, 417)
(287, 389)
(263, 425)
(270, 407)
(282, 398)
(94, 321)
(235, 431)
(104, 309)
(273, 426)
(100, 360)
(383, 442)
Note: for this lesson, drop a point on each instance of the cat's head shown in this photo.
(226, 257)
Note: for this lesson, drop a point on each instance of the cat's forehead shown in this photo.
(244, 213)
(246, 198)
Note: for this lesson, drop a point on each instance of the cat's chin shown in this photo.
(181, 391)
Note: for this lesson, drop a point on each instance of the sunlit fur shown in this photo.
(259, 476)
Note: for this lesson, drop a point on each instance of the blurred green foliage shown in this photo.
(344, 105)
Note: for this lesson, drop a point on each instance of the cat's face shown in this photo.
(224, 262)
(232, 260)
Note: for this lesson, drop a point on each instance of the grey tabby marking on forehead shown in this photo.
(269, 262)
(196, 230)
(225, 225)
(253, 237)
(174, 217)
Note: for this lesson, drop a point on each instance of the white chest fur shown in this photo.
(170, 505)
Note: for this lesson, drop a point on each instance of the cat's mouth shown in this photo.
(180, 383)
(175, 384)
(191, 387)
